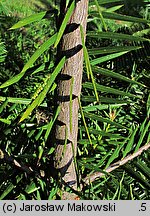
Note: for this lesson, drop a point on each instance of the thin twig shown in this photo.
(92, 177)
(9, 159)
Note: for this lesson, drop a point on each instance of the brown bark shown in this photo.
(66, 128)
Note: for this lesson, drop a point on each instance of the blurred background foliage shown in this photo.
(118, 124)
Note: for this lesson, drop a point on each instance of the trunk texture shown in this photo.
(69, 83)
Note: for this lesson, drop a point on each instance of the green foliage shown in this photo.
(31, 61)
(29, 20)
(114, 104)
(48, 83)
(64, 23)
(2, 52)
(21, 8)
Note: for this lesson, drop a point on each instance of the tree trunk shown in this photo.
(68, 90)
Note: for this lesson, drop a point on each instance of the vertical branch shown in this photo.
(71, 47)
